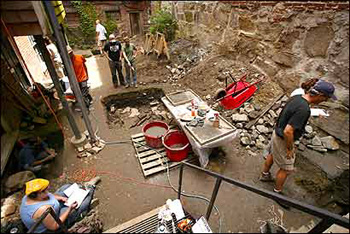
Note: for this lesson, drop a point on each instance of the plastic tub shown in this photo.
(154, 141)
(176, 145)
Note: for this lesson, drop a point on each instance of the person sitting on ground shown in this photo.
(305, 87)
(129, 54)
(37, 200)
(35, 153)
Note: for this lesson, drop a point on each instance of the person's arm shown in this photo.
(121, 54)
(288, 134)
(60, 198)
(38, 162)
(49, 222)
(86, 70)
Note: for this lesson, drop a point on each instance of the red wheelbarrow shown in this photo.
(238, 92)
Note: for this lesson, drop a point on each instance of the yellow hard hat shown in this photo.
(36, 185)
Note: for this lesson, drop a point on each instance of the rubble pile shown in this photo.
(10, 211)
(89, 149)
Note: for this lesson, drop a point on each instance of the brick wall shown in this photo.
(31, 58)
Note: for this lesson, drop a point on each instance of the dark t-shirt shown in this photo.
(296, 113)
(113, 49)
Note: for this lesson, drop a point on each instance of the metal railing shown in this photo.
(328, 218)
(43, 216)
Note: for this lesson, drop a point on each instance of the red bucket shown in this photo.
(176, 145)
(152, 140)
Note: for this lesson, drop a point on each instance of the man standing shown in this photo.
(100, 36)
(129, 53)
(113, 51)
(288, 129)
(55, 57)
(81, 73)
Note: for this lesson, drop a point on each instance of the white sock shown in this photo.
(277, 191)
(266, 173)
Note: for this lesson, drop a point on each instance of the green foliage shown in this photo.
(164, 22)
(110, 25)
(87, 17)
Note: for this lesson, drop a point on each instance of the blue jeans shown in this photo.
(83, 208)
(128, 69)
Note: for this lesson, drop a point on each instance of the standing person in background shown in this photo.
(81, 73)
(289, 128)
(129, 53)
(100, 36)
(56, 59)
(113, 52)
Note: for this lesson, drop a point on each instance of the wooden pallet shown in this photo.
(152, 161)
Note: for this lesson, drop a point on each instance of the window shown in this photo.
(114, 15)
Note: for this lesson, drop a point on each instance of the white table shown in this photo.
(202, 150)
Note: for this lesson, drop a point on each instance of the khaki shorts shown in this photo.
(278, 149)
(101, 43)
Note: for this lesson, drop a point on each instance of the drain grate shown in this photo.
(150, 161)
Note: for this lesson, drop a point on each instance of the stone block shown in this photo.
(330, 143)
(18, 180)
(317, 40)
(240, 118)
(285, 59)
(189, 16)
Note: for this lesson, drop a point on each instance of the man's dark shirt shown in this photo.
(113, 49)
(296, 113)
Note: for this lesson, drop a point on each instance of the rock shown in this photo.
(296, 143)
(286, 59)
(95, 150)
(257, 107)
(317, 40)
(318, 148)
(252, 143)
(80, 149)
(278, 112)
(301, 147)
(308, 129)
(249, 108)
(173, 70)
(330, 143)
(239, 118)
(262, 129)
(316, 141)
(252, 153)
(242, 111)
(260, 121)
(284, 98)
(245, 141)
(126, 110)
(87, 146)
(113, 109)
(134, 112)
(7, 210)
(260, 145)
(310, 135)
(239, 125)
(208, 97)
(273, 114)
(168, 67)
(17, 181)
(261, 138)
(154, 103)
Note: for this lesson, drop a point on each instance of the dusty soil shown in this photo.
(124, 193)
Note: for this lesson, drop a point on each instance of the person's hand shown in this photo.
(73, 205)
(62, 199)
(290, 153)
(51, 156)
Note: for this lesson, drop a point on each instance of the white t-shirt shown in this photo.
(53, 48)
(299, 91)
(102, 32)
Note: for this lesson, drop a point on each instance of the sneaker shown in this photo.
(283, 205)
(135, 85)
(127, 86)
(266, 177)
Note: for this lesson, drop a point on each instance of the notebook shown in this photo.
(75, 194)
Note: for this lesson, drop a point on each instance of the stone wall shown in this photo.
(288, 41)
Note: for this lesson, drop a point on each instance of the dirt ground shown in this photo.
(124, 193)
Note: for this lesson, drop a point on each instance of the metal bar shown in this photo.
(68, 65)
(213, 197)
(180, 181)
(318, 212)
(43, 216)
(321, 226)
(41, 46)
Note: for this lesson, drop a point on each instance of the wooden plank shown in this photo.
(137, 136)
(134, 221)
(24, 29)
(25, 16)
(149, 152)
(139, 140)
(158, 162)
(8, 141)
(154, 170)
(266, 109)
(153, 157)
(16, 5)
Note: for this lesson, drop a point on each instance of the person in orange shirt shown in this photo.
(81, 73)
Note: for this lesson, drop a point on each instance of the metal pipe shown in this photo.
(318, 212)
(69, 67)
(180, 181)
(41, 45)
(213, 197)
(43, 216)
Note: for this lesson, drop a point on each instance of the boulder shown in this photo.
(318, 148)
(18, 180)
(317, 40)
(249, 108)
(7, 210)
(330, 143)
(239, 118)
(284, 58)
(245, 140)
(316, 141)
(262, 129)
(260, 121)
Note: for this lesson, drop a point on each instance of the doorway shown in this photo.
(135, 23)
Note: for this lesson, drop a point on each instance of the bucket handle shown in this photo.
(170, 131)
